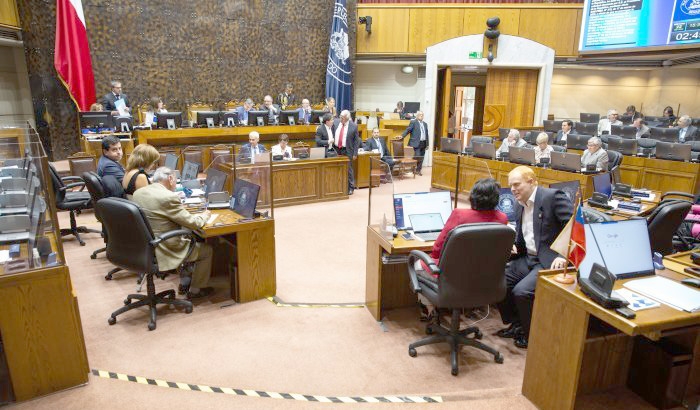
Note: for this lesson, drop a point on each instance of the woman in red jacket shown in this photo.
(483, 199)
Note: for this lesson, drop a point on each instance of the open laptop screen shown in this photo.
(215, 181)
(602, 184)
(426, 222)
(245, 197)
(622, 246)
(421, 203)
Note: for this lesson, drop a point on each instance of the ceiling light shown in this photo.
(407, 69)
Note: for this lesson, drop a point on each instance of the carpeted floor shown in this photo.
(260, 346)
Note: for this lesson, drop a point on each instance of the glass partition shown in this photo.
(29, 234)
(381, 194)
(470, 170)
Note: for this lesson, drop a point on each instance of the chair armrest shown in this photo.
(170, 234)
(432, 267)
(677, 193)
(75, 185)
(71, 178)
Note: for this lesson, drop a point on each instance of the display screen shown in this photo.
(625, 25)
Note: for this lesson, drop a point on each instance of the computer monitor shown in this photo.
(245, 197)
(673, 150)
(521, 155)
(602, 184)
(289, 117)
(577, 141)
(170, 120)
(189, 171)
(411, 107)
(316, 116)
(96, 120)
(551, 125)
(615, 238)
(452, 145)
(484, 150)
(585, 128)
(566, 161)
(421, 203)
(664, 134)
(229, 118)
(623, 146)
(208, 119)
(123, 123)
(171, 160)
(589, 117)
(570, 188)
(215, 181)
(624, 131)
(258, 118)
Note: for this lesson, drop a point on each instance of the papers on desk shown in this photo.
(197, 192)
(389, 259)
(4, 256)
(667, 291)
(193, 201)
(637, 301)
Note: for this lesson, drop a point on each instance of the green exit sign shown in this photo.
(475, 54)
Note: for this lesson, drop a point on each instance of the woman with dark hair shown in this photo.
(484, 199)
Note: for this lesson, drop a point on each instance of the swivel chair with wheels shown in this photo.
(72, 201)
(664, 221)
(132, 246)
(471, 274)
(93, 183)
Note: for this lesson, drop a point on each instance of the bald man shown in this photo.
(541, 214)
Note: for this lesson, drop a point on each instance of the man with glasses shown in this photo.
(605, 124)
(595, 154)
(252, 148)
(112, 98)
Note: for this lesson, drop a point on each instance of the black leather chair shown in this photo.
(71, 201)
(664, 221)
(614, 160)
(132, 246)
(463, 283)
(646, 146)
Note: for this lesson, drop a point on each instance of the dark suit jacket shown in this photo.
(692, 134)
(242, 114)
(352, 137)
(322, 136)
(552, 211)
(106, 166)
(371, 144)
(245, 150)
(108, 101)
(413, 129)
(560, 134)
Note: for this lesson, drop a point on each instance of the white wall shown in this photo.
(381, 85)
(15, 96)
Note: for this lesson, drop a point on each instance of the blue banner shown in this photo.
(339, 69)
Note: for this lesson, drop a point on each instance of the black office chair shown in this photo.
(71, 201)
(471, 274)
(477, 138)
(531, 137)
(686, 237)
(614, 160)
(664, 221)
(694, 150)
(646, 147)
(132, 246)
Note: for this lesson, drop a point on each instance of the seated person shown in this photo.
(324, 132)
(377, 143)
(286, 97)
(165, 213)
(304, 112)
(97, 107)
(330, 107)
(687, 131)
(483, 199)
(242, 111)
(142, 160)
(253, 147)
(542, 149)
(154, 107)
(668, 113)
(272, 109)
(282, 148)
(595, 154)
(605, 124)
(642, 130)
(632, 112)
(513, 140)
(563, 133)
(108, 163)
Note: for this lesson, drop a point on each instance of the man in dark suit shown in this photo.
(253, 147)
(687, 131)
(243, 111)
(419, 138)
(346, 141)
(324, 132)
(541, 214)
(304, 112)
(110, 99)
(272, 109)
(378, 143)
(563, 133)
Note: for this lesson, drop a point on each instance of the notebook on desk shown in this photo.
(427, 226)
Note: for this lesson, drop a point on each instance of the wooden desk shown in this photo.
(679, 261)
(225, 135)
(387, 286)
(301, 181)
(361, 168)
(255, 252)
(444, 173)
(395, 128)
(568, 356)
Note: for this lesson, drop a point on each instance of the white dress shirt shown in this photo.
(329, 132)
(527, 224)
(379, 147)
(277, 150)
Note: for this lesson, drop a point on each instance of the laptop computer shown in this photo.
(215, 181)
(452, 145)
(218, 200)
(673, 151)
(317, 153)
(484, 150)
(421, 203)
(427, 226)
(570, 188)
(623, 146)
(171, 161)
(602, 184)
(566, 161)
(189, 171)
(521, 155)
(245, 197)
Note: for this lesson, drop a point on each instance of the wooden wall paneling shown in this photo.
(389, 31)
(475, 20)
(517, 90)
(8, 13)
(334, 180)
(429, 26)
(555, 28)
(298, 183)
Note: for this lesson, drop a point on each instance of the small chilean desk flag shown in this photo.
(72, 53)
(571, 242)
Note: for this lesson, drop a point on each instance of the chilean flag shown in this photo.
(72, 53)
(571, 241)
